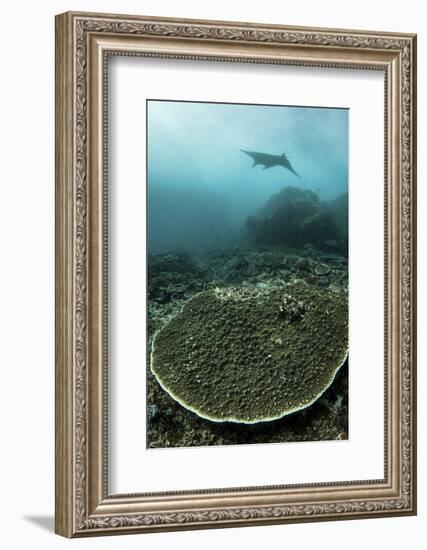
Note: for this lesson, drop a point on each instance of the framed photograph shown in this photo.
(235, 274)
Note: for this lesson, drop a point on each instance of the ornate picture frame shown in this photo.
(84, 506)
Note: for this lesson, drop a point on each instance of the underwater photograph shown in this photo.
(247, 274)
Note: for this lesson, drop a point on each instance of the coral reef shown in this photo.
(252, 354)
(169, 424)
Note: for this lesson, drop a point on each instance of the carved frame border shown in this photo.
(83, 43)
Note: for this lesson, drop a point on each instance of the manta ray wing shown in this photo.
(258, 158)
(264, 159)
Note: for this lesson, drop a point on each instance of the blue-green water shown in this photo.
(202, 188)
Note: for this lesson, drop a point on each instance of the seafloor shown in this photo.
(175, 277)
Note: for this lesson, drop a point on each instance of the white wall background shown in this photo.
(27, 274)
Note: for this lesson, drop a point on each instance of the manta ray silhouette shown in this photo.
(268, 161)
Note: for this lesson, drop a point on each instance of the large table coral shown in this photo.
(250, 355)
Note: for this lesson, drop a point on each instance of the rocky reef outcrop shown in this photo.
(296, 217)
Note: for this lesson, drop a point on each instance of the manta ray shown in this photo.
(268, 161)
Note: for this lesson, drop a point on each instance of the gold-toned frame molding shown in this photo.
(83, 43)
